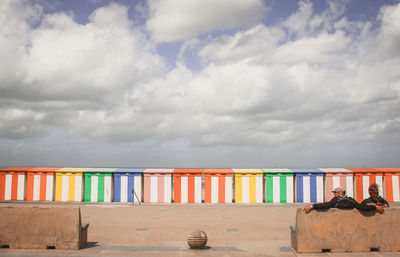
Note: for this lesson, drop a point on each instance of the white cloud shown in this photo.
(114, 15)
(304, 22)
(63, 66)
(244, 45)
(176, 20)
(15, 19)
(299, 21)
(98, 58)
(389, 37)
(20, 123)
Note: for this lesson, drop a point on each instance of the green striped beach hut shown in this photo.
(98, 184)
(279, 185)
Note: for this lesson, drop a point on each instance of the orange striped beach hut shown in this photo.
(12, 183)
(40, 184)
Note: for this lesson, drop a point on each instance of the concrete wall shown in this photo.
(338, 230)
(41, 227)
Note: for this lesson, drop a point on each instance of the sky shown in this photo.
(200, 83)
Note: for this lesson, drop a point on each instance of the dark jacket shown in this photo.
(380, 201)
(332, 204)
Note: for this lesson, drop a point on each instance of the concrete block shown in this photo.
(41, 227)
(336, 230)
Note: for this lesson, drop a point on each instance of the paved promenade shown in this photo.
(161, 230)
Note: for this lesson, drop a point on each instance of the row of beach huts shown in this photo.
(193, 185)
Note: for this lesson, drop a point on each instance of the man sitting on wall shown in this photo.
(375, 199)
(341, 201)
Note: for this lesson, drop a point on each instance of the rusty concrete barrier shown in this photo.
(338, 230)
(41, 227)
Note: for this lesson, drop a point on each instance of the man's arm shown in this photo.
(383, 201)
(369, 205)
(321, 206)
(365, 207)
(326, 205)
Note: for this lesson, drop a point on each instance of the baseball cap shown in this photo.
(338, 190)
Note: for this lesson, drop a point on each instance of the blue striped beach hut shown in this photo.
(309, 185)
(126, 179)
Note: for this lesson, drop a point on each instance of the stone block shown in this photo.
(41, 227)
(336, 230)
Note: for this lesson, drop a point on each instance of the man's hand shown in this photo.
(307, 209)
(379, 208)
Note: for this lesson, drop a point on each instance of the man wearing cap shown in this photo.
(340, 195)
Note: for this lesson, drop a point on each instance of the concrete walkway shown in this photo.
(161, 230)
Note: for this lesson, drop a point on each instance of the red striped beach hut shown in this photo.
(157, 185)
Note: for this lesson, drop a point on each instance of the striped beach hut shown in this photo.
(279, 185)
(338, 177)
(13, 183)
(392, 182)
(364, 178)
(98, 184)
(126, 180)
(187, 185)
(69, 184)
(309, 185)
(248, 185)
(218, 185)
(41, 183)
(157, 185)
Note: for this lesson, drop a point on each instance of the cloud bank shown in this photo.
(310, 86)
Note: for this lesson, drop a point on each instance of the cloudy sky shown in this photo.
(200, 83)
